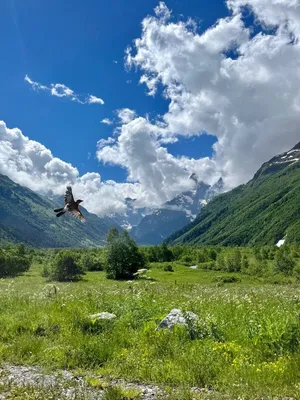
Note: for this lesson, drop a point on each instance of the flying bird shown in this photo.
(71, 206)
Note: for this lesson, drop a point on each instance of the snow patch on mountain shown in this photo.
(176, 213)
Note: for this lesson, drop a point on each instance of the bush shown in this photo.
(244, 264)
(13, 262)
(168, 268)
(283, 263)
(166, 253)
(259, 268)
(187, 259)
(123, 257)
(90, 262)
(66, 268)
(159, 253)
(202, 257)
(220, 263)
(227, 279)
(234, 261)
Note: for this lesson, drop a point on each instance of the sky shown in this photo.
(128, 99)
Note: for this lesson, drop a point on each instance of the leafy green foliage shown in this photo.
(234, 261)
(91, 262)
(14, 261)
(283, 262)
(66, 268)
(160, 253)
(261, 212)
(123, 257)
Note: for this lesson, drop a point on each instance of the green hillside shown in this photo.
(28, 217)
(261, 212)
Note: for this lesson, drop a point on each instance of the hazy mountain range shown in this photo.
(263, 211)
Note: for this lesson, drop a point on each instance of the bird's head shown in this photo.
(79, 201)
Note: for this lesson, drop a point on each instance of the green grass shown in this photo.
(246, 342)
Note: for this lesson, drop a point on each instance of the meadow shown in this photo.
(245, 344)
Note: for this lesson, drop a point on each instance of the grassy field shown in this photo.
(245, 345)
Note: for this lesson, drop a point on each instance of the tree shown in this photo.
(166, 253)
(90, 262)
(112, 235)
(220, 263)
(123, 257)
(65, 267)
(13, 262)
(283, 263)
(234, 261)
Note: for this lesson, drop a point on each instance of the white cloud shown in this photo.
(239, 87)
(61, 90)
(161, 175)
(29, 163)
(94, 100)
(126, 115)
(104, 142)
(107, 121)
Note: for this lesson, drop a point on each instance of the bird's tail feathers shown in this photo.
(60, 213)
(58, 209)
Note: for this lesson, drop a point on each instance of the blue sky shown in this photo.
(75, 43)
(228, 78)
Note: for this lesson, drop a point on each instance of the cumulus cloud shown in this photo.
(61, 90)
(242, 88)
(126, 115)
(160, 174)
(29, 163)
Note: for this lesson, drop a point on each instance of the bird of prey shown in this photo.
(71, 206)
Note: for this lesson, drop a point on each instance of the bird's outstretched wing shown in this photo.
(78, 214)
(69, 199)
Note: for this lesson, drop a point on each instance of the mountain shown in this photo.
(262, 212)
(28, 217)
(175, 214)
(132, 216)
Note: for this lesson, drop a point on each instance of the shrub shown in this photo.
(201, 258)
(159, 253)
(187, 259)
(244, 263)
(168, 268)
(66, 267)
(90, 262)
(220, 263)
(296, 272)
(212, 254)
(234, 261)
(259, 268)
(13, 262)
(123, 257)
(283, 263)
(166, 253)
(227, 279)
(46, 272)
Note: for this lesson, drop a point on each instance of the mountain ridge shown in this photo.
(28, 217)
(154, 228)
(260, 212)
